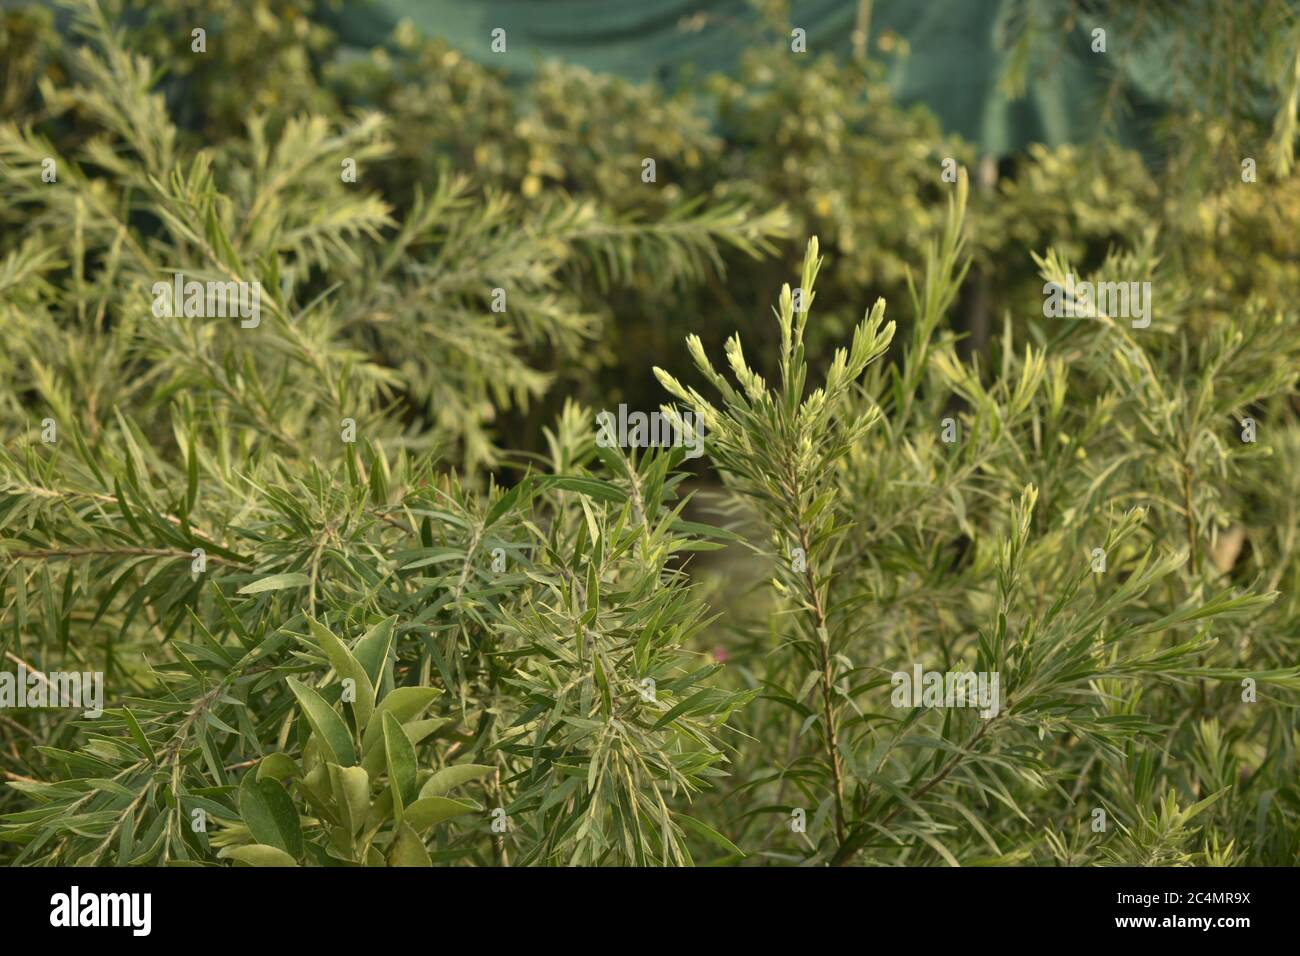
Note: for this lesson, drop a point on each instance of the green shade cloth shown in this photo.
(958, 53)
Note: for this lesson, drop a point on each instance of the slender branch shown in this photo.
(1191, 518)
(823, 650)
(828, 710)
(60, 554)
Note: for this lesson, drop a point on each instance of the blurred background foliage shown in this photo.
(823, 135)
(847, 139)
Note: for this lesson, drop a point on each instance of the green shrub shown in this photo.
(1129, 683)
(370, 548)
(313, 481)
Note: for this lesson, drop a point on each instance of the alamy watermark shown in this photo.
(76, 909)
(639, 430)
(947, 689)
(31, 688)
(1088, 300)
(208, 300)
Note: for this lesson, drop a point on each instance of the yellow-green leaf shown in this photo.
(347, 667)
(400, 755)
(276, 582)
(449, 777)
(257, 854)
(427, 811)
(408, 849)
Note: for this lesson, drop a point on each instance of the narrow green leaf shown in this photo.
(706, 831)
(402, 776)
(137, 734)
(348, 668)
(276, 582)
(330, 730)
(372, 650)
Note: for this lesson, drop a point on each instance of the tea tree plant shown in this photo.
(363, 310)
(215, 495)
(340, 624)
(918, 517)
(551, 614)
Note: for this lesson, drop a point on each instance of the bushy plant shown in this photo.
(326, 587)
(1066, 528)
(214, 486)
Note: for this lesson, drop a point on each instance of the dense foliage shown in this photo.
(365, 587)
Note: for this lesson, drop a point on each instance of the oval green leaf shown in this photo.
(268, 812)
(257, 854)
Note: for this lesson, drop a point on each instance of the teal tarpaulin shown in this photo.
(958, 52)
